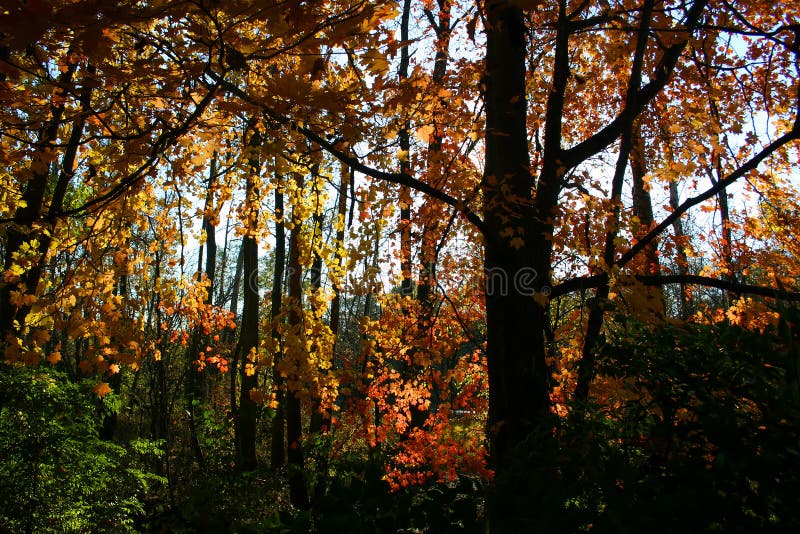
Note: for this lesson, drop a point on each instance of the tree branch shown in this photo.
(750, 165)
(658, 79)
(330, 147)
(590, 282)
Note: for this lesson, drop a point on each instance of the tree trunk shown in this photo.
(642, 203)
(248, 340)
(406, 288)
(320, 415)
(278, 424)
(33, 200)
(196, 383)
(428, 215)
(593, 339)
(654, 306)
(341, 209)
(230, 334)
(336, 306)
(298, 492)
(681, 259)
(514, 271)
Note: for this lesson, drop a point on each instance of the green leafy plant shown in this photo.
(56, 474)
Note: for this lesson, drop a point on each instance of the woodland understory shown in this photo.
(399, 266)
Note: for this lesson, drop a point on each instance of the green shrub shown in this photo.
(56, 474)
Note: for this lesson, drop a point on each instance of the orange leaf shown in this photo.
(102, 389)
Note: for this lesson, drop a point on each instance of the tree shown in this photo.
(248, 337)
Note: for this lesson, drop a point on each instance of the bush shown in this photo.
(56, 474)
(359, 500)
(704, 436)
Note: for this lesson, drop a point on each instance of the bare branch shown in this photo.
(590, 282)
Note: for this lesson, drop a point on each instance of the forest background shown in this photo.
(430, 265)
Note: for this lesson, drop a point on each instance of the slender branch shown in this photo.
(590, 282)
(750, 165)
(658, 79)
(164, 141)
(330, 147)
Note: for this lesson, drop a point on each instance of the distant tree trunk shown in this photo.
(716, 172)
(368, 305)
(230, 334)
(278, 442)
(223, 264)
(682, 261)
(336, 305)
(110, 419)
(158, 386)
(406, 288)
(196, 383)
(341, 210)
(248, 338)
(593, 339)
(294, 423)
(320, 415)
(643, 209)
(428, 216)
(642, 203)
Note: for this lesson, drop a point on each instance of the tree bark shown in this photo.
(593, 338)
(430, 220)
(278, 424)
(298, 492)
(406, 286)
(515, 322)
(248, 340)
(230, 334)
(33, 197)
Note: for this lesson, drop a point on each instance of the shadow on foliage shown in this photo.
(702, 435)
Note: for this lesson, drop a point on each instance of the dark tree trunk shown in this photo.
(298, 492)
(230, 334)
(196, 383)
(593, 339)
(642, 203)
(406, 288)
(429, 218)
(278, 429)
(33, 200)
(515, 321)
(320, 416)
(248, 338)
(325, 420)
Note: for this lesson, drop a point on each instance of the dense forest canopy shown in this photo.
(482, 253)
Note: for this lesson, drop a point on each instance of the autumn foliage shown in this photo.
(346, 251)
